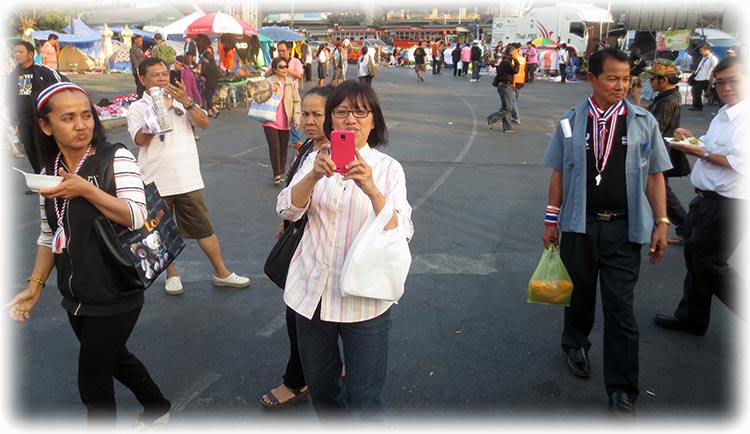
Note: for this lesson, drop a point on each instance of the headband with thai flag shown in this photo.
(53, 90)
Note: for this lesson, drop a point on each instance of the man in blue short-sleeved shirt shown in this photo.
(608, 197)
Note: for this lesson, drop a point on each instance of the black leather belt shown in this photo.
(608, 216)
(704, 194)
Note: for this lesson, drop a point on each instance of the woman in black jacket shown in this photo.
(98, 179)
(507, 68)
(210, 79)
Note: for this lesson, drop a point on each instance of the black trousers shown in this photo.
(307, 68)
(697, 92)
(604, 253)
(563, 71)
(103, 356)
(294, 378)
(675, 211)
(30, 146)
(710, 239)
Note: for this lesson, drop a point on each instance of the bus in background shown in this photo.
(405, 38)
(356, 39)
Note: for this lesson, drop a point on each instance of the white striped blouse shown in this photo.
(336, 211)
(128, 186)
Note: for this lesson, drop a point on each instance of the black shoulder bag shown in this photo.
(277, 263)
(140, 256)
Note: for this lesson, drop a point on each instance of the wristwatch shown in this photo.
(190, 106)
(661, 220)
(704, 157)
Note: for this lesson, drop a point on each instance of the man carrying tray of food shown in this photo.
(720, 180)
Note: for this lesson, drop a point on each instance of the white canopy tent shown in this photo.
(177, 28)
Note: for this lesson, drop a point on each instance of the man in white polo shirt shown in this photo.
(170, 160)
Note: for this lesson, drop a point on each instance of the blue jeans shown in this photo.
(294, 135)
(514, 111)
(366, 353)
(506, 106)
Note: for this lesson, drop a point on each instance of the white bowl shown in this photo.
(38, 182)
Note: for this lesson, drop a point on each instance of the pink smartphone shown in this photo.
(342, 149)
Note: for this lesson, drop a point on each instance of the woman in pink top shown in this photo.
(188, 79)
(337, 206)
(466, 58)
(288, 111)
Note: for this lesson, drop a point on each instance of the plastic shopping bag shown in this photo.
(550, 283)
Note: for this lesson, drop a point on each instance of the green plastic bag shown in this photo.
(550, 283)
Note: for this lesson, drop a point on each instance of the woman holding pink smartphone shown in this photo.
(337, 206)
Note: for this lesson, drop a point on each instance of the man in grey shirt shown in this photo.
(136, 57)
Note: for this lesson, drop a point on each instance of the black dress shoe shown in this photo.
(621, 406)
(672, 323)
(577, 362)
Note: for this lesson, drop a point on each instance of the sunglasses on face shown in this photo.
(282, 67)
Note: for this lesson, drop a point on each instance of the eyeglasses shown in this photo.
(656, 77)
(733, 82)
(282, 67)
(358, 113)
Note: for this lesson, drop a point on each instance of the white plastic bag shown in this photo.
(378, 261)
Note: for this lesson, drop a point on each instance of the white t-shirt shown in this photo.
(364, 67)
(172, 162)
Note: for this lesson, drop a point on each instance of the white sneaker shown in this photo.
(157, 424)
(233, 281)
(173, 286)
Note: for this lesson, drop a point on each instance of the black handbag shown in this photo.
(277, 263)
(140, 256)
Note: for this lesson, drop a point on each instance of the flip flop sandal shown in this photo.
(298, 397)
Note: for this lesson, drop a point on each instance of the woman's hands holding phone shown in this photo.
(361, 173)
(323, 166)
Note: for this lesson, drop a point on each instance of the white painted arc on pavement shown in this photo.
(443, 263)
(459, 158)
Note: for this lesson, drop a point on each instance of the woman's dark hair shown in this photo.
(364, 50)
(147, 62)
(359, 96)
(323, 91)
(635, 53)
(275, 62)
(727, 63)
(596, 61)
(48, 144)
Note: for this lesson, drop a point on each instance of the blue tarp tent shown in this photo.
(85, 39)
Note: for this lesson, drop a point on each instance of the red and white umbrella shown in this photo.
(219, 22)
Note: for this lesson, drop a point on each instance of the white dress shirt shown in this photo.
(727, 135)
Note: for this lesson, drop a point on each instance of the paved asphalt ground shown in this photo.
(465, 346)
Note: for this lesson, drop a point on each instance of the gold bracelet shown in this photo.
(662, 220)
(37, 280)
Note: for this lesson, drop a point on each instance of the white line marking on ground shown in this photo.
(276, 323)
(449, 170)
(198, 387)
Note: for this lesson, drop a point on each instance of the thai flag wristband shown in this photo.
(551, 216)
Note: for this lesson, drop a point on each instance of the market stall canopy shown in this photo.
(179, 27)
(218, 22)
(277, 33)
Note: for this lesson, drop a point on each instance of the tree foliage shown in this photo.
(39, 19)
